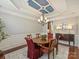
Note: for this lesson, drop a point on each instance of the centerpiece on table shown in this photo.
(43, 37)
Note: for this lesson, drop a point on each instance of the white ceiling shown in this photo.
(62, 8)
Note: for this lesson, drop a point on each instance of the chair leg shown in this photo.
(69, 42)
(56, 49)
(40, 53)
(53, 53)
(73, 45)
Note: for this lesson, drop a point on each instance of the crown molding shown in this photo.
(64, 16)
(18, 13)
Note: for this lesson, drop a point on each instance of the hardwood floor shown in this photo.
(73, 53)
(14, 49)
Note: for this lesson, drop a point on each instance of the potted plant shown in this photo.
(2, 31)
(3, 36)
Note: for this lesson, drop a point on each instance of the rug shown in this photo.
(22, 54)
(62, 53)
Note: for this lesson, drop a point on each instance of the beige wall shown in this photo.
(17, 28)
(18, 25)
(72, 21)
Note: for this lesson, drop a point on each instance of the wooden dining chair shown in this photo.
(37, 35)
(49, 49)
(55, 42)
(50, 35)
(29, 36)
(55, 45)
(32, 53)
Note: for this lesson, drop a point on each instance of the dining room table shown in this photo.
(41, 41)
(46, 42)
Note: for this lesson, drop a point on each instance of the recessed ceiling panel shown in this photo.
(42, 2)
(49, 8)
(33, 4)
(41, 5)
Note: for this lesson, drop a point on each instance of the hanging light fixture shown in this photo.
(43, 20)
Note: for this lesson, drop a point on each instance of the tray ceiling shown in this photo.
(41, 5)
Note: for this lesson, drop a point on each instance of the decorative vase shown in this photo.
(43, 37)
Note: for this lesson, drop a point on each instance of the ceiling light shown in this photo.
(43, 20)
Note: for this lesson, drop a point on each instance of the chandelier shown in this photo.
(43, 20)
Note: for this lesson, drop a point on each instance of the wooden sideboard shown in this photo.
(66, 37)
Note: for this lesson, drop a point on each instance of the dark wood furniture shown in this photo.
(46, 42)
(65, 37)
(2, 55)
(40, 41)
(48, 49)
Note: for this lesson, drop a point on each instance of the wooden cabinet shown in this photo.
(66, 37)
